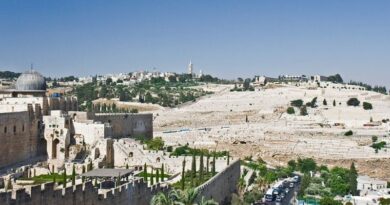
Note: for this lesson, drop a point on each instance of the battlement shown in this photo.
(134, 193)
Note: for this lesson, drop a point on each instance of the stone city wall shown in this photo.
(124, 125)
(222, 185)
(132, 193)
(19, 137)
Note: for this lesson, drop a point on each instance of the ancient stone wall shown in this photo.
(132, 193)
(19, 137)
(124, 125)
(222, 185)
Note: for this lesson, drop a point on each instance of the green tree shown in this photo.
(83, 171)
(297, 103)
(303, 110)
(228, 158)
(157, 176)
(334, 103)
(183, 174)
(151, 177)
(213, 167)
(353, 102)
(145, 173)
(325, 102)
(64, 178)
(306, 179)
(329, 201)
(353, 179)
(367, 106)
(201, 168)
(290, 110)
(207, 163)
(162, 172)
(193, 170)
(73, 175)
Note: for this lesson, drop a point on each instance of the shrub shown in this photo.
(353, 102)
(348, 133)
(325, 102)
(297, 103)
(367, 106)
(290, 110)
(303, 110)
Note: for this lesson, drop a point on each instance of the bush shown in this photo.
(367, 106)
(348, 133)
(290, 110)
(297, 103)
(303, 110)
(325, 102)
(353, 102)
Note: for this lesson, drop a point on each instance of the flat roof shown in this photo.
(108, 172)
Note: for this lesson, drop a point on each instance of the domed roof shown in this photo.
(30, 80)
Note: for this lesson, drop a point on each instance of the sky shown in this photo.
(225, 38)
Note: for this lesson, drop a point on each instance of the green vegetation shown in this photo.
(290, 110)
(297, 103)
(348, 133)
(9, 74)
(188, 151)
(329, 201)
(325, 102)
(157, 91)
(185, 197)
(378, 89)
(353, 102)
(303, 110)
(155, 144)
(335, 78)
(54, 177)
(378, 146)
(367, 106)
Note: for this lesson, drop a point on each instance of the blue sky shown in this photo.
(225, 38)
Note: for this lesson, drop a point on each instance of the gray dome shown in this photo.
(30, 80)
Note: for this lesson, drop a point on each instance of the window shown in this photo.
(14, 129)
(5, 129)
(23, 128)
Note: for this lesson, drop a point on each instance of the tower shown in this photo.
(190, 68)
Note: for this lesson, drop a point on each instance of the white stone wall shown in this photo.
(91, 132)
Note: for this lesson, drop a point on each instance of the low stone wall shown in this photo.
(133, 193)
(221, 186)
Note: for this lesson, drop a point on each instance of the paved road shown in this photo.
(288, 199)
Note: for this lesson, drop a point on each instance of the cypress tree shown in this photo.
(73, 175)
(96, 182)
(118, 180)
(151, 177)
(213, 167)
(193, 170)
(9, 185)
(162, 172)
(157, 176)
(145, 173)
(334, 103)
(207, 163)
(201, 168)
(83, 171)
(64, 178)
(54, 178)
(228, 158)
(353, 179)
(127, 166)
(183, 175)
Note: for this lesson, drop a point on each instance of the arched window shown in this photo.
(5, 129)
(23, 128)
(14, 129)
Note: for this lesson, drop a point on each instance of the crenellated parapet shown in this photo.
(132, 193)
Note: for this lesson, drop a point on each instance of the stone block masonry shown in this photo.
(132, 193)
(222, 185)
